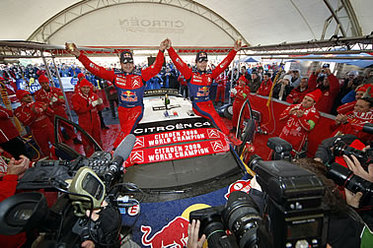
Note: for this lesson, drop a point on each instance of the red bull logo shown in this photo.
(128, 96)
(203, 91)
(174, 234)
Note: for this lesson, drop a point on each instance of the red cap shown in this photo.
(367, 89)
(21, 93)
(243, 79)
(80, 75)
(43, 79)
(315, 95)
(85, 82)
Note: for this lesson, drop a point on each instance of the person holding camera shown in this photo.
(300, 120)
(324, 80)
(129, 84)
(86, 104)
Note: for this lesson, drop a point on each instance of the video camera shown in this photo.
(88, 187)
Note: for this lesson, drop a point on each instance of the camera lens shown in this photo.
(242, 218)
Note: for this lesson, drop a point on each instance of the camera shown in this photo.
(87, 186)
(240, 215)
(340, 148)
(346, 178)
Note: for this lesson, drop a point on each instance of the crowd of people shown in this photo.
(349, 99)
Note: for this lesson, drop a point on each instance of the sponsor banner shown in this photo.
(167, 138)
(171, 125)
(166, 153)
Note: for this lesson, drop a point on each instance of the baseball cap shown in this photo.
(126, 57)
(201, 56)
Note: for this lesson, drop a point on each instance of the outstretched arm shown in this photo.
(156, 67)
(89, 65)
(224, 64)
(179, 63)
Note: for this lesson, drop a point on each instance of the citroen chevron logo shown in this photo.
(139, 143)
(213, 133)
(137, 156)
(217, 146)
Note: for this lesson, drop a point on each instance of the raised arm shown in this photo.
(179, 63)
(89, 65)
(225, 63)
(156, 67)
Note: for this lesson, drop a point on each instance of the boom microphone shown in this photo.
(121, 154)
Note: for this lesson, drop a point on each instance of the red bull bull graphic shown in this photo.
(203, 91)
(128, 96)
(172, 235)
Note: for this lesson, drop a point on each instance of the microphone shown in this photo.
(121, 154)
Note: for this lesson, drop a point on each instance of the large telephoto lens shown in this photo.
(242, 218)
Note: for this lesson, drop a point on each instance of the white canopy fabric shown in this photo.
(214, 23)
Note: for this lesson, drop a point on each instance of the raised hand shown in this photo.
(72, 49)
(237, 45)
(164, 45)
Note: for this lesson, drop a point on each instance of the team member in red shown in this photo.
(265, 86)
(360, 91)
(240, 92)
(199, 83)
(296, 95)
(353, 121)
(329, 86)
(301, 119)
(36, 115)
(10, 140)
(221, 80)
(130, 86)
(53, 97)
(85, 104)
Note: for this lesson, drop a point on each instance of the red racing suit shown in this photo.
(354, 125)
(54, 98)
(297, 128)
(296, 96)
(88, 118)
(7, 129)
(36, 115)
(240, 97)
(265, 88)
(199, 84)
(130, 87)
(221, 80)
(326, 102)
(346, 108)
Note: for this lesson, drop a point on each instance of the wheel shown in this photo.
(228, 112)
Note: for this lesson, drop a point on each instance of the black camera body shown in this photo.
(294, 203)
(240, 215)
(340, 148)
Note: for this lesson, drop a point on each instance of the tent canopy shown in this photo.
(201, 23)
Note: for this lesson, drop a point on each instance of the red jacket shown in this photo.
(58, 106)
(354, 125)
(28, 117)
(221, 80)
(82, 105)
(7, 129)
(326, 102)
(346, 108)
(296, 96)
(265, 88)
(297, 128)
